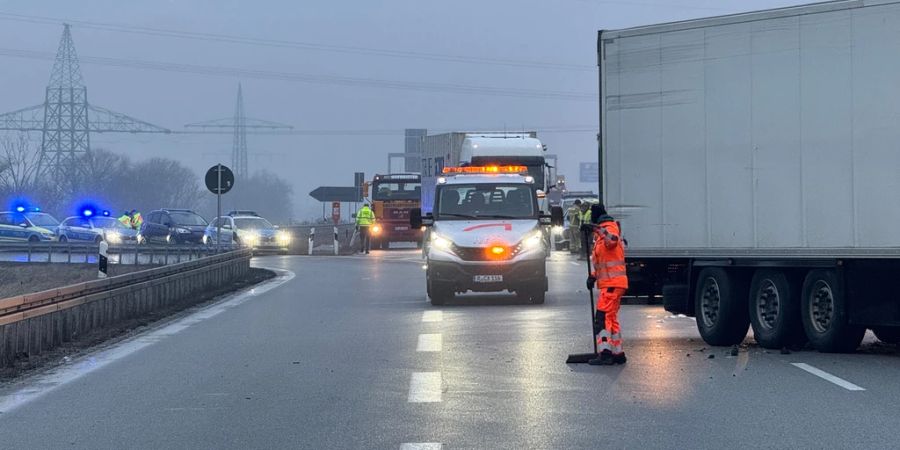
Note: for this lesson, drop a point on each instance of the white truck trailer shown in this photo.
(754, 162)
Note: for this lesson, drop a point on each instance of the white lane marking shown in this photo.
(46, 383)
(421, 446)
(828, 377)
(424, 387)
(429, 343)
(432, 316)
(574, 263)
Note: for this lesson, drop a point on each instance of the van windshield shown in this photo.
(485, 201)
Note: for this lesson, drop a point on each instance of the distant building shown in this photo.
(413, 146)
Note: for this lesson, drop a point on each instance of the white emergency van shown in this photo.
(487, 234)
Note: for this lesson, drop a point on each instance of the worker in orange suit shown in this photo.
(608, 275)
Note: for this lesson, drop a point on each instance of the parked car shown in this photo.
(248, 230)
(16, 227)
(172, 226)
(43, 220)
(95, 229)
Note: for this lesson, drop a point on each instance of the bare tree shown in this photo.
(18, 164)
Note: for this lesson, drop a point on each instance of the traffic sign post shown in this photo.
(219, 180)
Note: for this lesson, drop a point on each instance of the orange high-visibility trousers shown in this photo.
(608, 302)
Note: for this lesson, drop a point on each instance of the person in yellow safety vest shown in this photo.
(365, 218)
(574, 214)
(131, 219)
(586, 230)
(125, 219)
(136, 219)
(609, 275)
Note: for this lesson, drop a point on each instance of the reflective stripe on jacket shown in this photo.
(365, 217)
(608, 256)
(574, 216)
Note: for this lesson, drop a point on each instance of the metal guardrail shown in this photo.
(120, 254)
(14, 309)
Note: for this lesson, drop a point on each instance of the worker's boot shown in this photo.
(605, 358)
(620, 358)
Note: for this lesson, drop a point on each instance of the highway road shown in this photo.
(345, 352)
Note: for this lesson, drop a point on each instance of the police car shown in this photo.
(89, 227)
(487, 234)
(42, 219)
(248, 229)
(15, 226)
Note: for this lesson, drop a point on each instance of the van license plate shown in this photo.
(488, 278)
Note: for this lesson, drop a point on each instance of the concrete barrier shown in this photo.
(34, 323)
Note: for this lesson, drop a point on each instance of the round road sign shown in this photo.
(212, 179)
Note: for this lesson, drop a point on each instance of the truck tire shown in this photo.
(675, 298)
(775, 309)
(823, 311)
(888, 335)
(721, 306)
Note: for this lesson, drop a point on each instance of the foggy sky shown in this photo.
(551, 32)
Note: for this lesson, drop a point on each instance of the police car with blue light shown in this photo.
(93, 227)
(42, 219)
(487, 234)
(15, 226)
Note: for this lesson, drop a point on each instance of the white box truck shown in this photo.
(754, 162)
(481, 149)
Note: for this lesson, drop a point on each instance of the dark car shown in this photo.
(172, 226)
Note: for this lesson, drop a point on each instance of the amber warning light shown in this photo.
(485, 169)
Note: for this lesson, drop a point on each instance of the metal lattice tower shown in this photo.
(240, 123)
(66, 119)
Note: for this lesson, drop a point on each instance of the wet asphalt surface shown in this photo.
(349, 354)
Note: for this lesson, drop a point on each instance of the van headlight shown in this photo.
(533, 240)
(439, 242)
(284, 238)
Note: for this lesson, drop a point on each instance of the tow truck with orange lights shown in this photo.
(487, 234)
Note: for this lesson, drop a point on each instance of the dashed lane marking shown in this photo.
(828, 377)
(429, 343)
(425, 387)
(432, 316)
(421, 446)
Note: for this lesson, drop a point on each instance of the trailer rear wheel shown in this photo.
(888, 335)
(824, 314)
(721, 306)
(775, 309)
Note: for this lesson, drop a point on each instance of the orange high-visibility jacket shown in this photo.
(609, 255)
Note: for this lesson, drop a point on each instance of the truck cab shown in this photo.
(393, 197)
(487, 234)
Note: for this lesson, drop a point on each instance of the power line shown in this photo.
(308, 78)
(234, 39)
